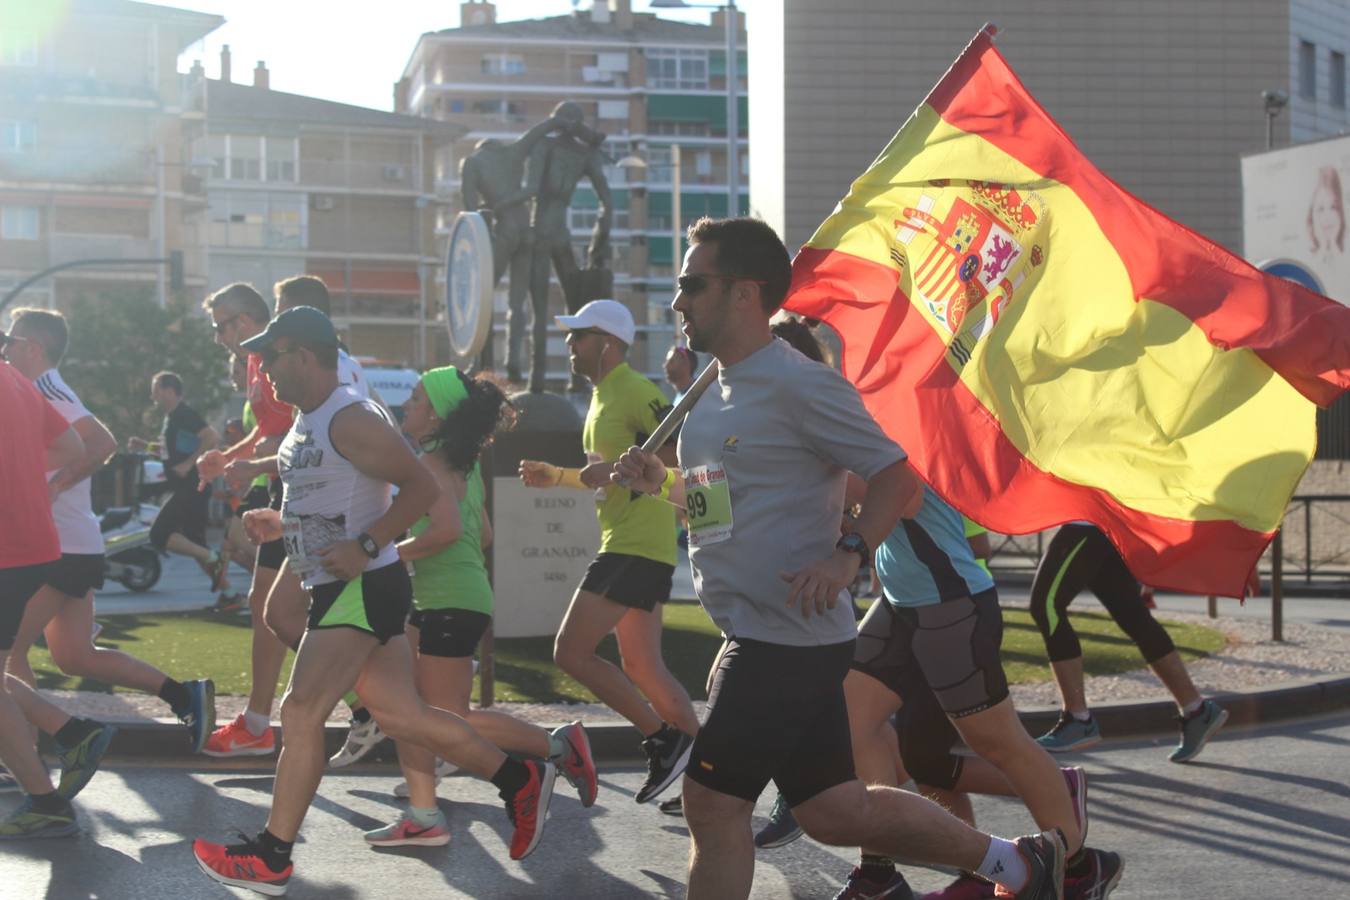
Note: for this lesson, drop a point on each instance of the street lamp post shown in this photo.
(1275, 101)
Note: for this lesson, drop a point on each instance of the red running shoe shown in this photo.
(235, 739)
(576, 764)
(240, 865)
(529, 808)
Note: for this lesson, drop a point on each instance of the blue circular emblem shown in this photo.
(1293, 271)
(969, 266)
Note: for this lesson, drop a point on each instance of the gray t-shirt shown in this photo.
(773, 439)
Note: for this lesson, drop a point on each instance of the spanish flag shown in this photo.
(1049, 348)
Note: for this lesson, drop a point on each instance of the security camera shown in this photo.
(1275, 99)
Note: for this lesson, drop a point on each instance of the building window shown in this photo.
(1338, 80)
(17, 136)
(248, 219)
(502, 108)
(245, 158)
(703, 164)
(1307, 70)
(19, 223)
(503, 64)
(18, 48)
(678, 69)
(670, 126)
(281, 153)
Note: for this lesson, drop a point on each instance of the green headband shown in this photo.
(445, 389)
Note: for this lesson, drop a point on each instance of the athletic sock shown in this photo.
(1082, 716)
(50, 804)
(360, 714)
(1191, 709)
(1003, 864)
(74, 731)
(175, 693)
(666, 734)
(877, 868)
(510, 778)
(424, 817)
(256, 723)
(275, 853)
(557, 747)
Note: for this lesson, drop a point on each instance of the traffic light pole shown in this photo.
(174, 261)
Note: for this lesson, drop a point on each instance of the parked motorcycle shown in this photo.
(128, 556)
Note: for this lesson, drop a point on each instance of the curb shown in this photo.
(620, 743)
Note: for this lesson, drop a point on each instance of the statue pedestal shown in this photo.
(543, 538)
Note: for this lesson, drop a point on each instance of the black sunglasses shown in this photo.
(222, 325)
(271, 354)
(695, 284)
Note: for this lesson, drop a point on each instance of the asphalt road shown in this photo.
(1262, 814)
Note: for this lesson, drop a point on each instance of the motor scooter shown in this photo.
(128, 556)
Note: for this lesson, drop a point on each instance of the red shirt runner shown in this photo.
(27, 532)
(274, 417)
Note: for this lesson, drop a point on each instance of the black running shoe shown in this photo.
(666, 759)
(1099, 880)
(1044, 854)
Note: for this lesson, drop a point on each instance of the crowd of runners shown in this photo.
(366, 539)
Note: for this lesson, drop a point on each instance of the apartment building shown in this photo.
(300, 185)
(1164, 97)
(648, 83)
(95, 131)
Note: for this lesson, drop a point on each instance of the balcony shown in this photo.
(359, 175)
(94, 164)
(65, 248)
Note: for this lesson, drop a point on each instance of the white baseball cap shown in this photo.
(609, 316)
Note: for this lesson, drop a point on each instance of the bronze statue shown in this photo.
(491, 183)
(544, 165)
(554, 168)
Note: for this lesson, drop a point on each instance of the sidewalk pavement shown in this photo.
(184, 589)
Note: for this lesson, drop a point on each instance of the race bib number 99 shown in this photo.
(708, 505)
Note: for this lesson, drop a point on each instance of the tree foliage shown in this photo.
(120, 339)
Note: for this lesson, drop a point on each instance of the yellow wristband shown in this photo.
(569, 478)
(666, 484)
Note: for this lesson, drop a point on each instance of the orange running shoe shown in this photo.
(235, 739)
(240, 865)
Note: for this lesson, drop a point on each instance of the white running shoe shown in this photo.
(443, 769)
(362, 738)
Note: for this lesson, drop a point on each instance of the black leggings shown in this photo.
(1081, 557)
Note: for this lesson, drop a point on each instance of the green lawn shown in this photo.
(217, 645)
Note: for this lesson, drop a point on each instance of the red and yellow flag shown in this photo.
(1048, 348)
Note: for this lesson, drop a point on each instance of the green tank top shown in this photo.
(455, 578)
(250, 422)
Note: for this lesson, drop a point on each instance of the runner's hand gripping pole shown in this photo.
(675, 416)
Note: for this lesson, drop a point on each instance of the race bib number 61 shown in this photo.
(708, 505)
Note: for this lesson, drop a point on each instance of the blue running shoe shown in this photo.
(1071, 734)
(1197, 729)
(79, 763)
(781, 830)
(24, 823)
(200, 718)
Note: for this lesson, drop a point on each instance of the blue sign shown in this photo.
(1293, 271)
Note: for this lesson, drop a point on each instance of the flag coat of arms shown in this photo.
(1048, 348)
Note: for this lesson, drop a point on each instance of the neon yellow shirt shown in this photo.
(625, 409)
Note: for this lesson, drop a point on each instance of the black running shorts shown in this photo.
(183, 513)
(952, 647)
(628, 580)
(273, 553)
(449, 633)
(76, 574)
(776, 713)
(18, 584)
(376, 603)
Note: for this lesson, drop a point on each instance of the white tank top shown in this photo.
(75, 521)
(327, 500)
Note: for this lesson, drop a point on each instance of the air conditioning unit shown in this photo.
(394, 173)
(322, 202)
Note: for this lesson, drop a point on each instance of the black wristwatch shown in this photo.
(854, 543)
(368, 545)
